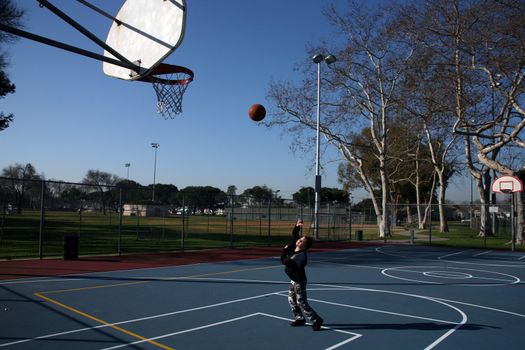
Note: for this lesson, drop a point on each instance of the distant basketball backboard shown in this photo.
(145, 32)
(507, 184)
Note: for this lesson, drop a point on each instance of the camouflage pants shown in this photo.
(299, 302)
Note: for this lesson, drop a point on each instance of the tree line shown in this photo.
(21, 186)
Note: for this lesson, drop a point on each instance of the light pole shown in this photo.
(329, 59)
(493, 197)
(156, 146)
(349, 215)
(127, 165)
(471, 209)
(277, 202)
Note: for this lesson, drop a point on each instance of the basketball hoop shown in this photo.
(507, 184)
(170, 82)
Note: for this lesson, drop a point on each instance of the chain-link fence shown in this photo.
(52, 218)
(462, 225)
(276, 218)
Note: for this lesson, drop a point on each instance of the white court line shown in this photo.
(480, 307)
(226, 280)
(332, 287)
(135, 320)
(512, 279)
(497, 279)
(329, 261)
(485, 264)
(451, 254)
(180, 332)
(442, 258)
(343, 342)
(354, 335)
(373, 310)
(464, 317)
(490, 251)
(50, 336)
(482, 253)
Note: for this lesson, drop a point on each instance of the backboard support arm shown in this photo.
(82, 30)
(66, 47)
(98, 10)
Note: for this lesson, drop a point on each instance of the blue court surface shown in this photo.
(382, 297)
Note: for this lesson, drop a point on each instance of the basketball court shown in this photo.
(371, 297)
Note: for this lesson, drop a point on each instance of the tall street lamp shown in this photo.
(496, 84)
(329, 59)
(156, 146)
(127, 165)
(471, 209)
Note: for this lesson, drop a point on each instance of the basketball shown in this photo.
(257, 112)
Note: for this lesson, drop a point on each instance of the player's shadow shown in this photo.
(420, 326)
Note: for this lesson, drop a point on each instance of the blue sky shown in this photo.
(70, 117)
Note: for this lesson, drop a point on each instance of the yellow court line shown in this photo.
(125, 331)
(231, 271)
(155, 280)
(120, 329)
(93, 287)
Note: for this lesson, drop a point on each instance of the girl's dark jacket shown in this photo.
(294, 262)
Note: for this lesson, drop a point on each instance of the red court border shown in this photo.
(14, 269)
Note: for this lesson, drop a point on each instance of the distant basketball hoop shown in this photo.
(507, 184)
(510, 185)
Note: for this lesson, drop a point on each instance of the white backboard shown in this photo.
(507, 184)
(149, 31)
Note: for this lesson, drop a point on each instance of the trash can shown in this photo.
(359, 235)
(70, 248)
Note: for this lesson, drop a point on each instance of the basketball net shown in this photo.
(170, 83)
(169, 99)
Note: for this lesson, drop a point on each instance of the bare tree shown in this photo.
(424, 99)
(489, 49)
(20, 182)
(362, 85)
(478, 46)
(100, 180)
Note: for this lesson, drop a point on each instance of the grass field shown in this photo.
(103, 234)
(100, 234)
